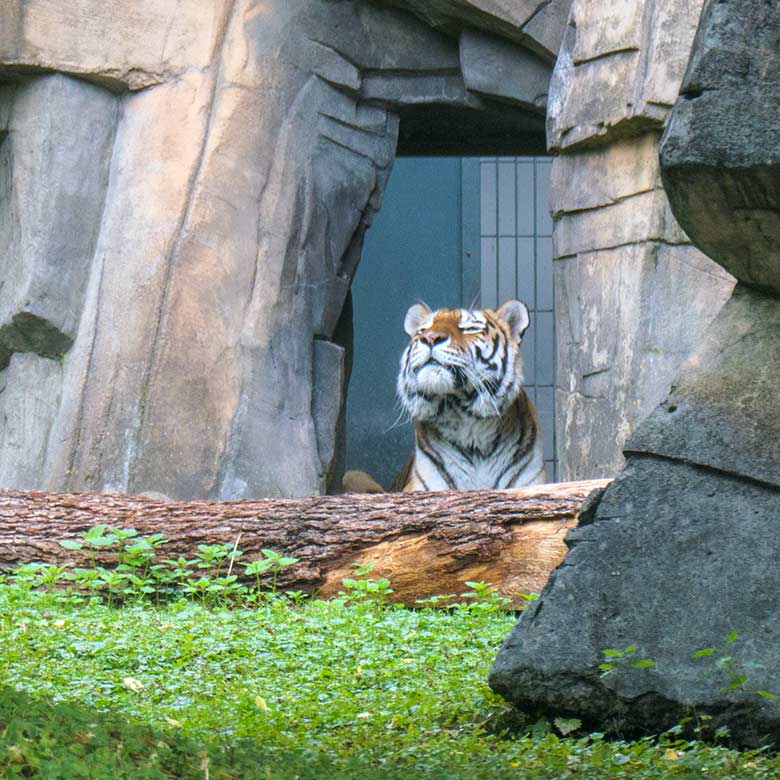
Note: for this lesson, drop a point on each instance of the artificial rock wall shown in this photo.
(183, 194)
(633, 295)
(184, 188)
(680, 552)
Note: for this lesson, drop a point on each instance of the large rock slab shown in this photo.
(59, 135)
(632, 295)
(722, 410)
(120, 45)
(498, 68)
(619, 69)
(671, 576)
(634, 314)
(594, 178)
(30, 389)
(631, 220)
(537, 24)
(56, 141)
(196, 348)
(615, 82)
(548, 25)
(721, 151)
(677, 558)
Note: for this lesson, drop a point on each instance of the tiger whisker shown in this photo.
(479, 385)
(403, 418)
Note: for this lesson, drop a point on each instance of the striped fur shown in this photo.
(461, 381)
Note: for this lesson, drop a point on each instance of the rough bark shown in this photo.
(426, 543)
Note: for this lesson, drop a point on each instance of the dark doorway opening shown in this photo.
(452, 231)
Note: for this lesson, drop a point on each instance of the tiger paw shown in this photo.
(360, 482)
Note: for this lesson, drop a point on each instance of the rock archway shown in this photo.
(184, 192)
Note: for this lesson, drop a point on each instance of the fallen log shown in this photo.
(426, 543)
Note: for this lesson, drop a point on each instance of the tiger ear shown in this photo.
(415, 317)
(515, 315)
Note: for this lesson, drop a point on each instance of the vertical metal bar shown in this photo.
(471, 215)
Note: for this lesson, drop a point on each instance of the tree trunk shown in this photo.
(425, 543)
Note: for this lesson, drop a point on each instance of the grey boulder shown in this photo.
(678, 560)
(720, 155)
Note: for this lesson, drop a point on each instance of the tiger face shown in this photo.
(461, 360)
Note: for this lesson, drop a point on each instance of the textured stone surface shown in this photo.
(548, 25)
(133, 45)
(606, 28)
(329, 370)
(619, 251)
(632, 298)
(60, 134)
(632, 315)
(498, 68)
(628, 58)
(29, 396)
(602, 177)
(631, 220)
(722, 408)
(219, 330)
(533, 23)
(721, 150)
(671, 577)
(679, 554)
(191, 258)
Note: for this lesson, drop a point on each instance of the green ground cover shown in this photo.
(277, 687)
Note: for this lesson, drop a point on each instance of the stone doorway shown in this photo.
(177, 268)
(204, 336)
(452, 232)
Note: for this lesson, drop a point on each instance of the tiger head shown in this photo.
(467, 361)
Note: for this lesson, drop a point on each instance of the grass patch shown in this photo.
(342, 689)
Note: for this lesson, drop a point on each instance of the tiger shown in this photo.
(461, 382)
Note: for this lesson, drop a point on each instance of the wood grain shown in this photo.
(425, 543)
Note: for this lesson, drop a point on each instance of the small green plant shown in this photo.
(617, 658)
(52, 575)
(724, 663)
(483, 597)
(133, 572)
(97, 538)
(28, 575)
(213, 556)
(271, 561)
(733, 671)
(296, 597)
(362, 589)
(173, 574)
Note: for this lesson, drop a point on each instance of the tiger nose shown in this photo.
(433, 337)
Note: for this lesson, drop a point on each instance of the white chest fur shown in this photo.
(470, 454)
